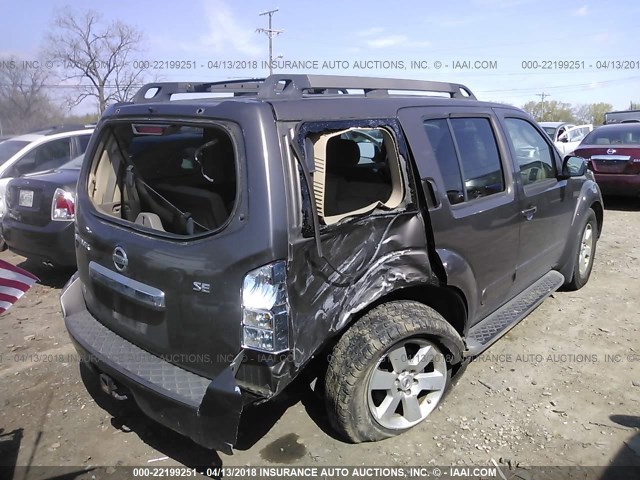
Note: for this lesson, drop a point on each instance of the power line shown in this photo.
(271, 34)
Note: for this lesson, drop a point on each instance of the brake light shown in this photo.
(265, 309)
(63, 207)
(141, 129)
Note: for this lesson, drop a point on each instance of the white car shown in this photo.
(569, 140)
(566, 136)
(39, 151)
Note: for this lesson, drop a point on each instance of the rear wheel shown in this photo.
(389, 371)
(586, 251)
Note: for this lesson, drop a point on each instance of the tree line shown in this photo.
(556, 111)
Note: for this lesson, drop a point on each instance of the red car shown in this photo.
(613, 152)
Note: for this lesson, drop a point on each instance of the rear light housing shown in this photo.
(265, 309)
(63, 207)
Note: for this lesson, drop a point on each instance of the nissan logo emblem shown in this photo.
(120, 260)
(611, 151)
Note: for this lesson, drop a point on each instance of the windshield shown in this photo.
(74, 164)
(9, 148)
(551, 131)
(623, 135)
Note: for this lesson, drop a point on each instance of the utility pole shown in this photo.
(271, 34)
(542, 97)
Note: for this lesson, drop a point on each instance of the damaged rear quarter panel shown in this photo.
(374, 255)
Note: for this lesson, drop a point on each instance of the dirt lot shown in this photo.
(562, 388)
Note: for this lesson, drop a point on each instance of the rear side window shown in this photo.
(444, 149)
(167, 177)
(356, 171)
(468, 157)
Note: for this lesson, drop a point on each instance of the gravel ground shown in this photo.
(561, 388)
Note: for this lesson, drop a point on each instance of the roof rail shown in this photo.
(299, 86)
(63, 128)
(283, 85)
(163, 91)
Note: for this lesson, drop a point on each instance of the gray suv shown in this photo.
(339, 226)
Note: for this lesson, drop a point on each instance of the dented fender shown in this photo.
(367, 259)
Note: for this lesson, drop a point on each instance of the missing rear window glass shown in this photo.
(173, 178)
(356, 171)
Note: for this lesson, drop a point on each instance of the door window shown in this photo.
(468, 157)
(532, 152)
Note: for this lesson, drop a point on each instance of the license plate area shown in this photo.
(25, 198)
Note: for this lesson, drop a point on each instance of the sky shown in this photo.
(511, 51)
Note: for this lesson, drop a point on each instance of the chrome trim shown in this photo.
(137, 291)
(120, 259)
(615, 158)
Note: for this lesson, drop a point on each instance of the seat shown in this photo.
(348, 187)
(205, 207)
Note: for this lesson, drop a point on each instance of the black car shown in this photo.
(40, 215)
(320, 224)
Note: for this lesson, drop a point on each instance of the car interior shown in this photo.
(171, 178)
(354, 177)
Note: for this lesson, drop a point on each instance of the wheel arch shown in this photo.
(449, 302)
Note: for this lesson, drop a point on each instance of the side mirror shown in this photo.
(564, 138)
(573, 166)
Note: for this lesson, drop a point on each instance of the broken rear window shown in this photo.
(170, 178)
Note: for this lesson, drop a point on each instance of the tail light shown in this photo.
(265, 310)
(63, 207)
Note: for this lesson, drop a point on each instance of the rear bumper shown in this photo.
(208, 411)
(52, 243)
(618, 184)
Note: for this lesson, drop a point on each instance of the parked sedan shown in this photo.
(38, 223)
(613, 152)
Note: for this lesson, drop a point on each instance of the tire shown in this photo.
(402, 347)
(585, 252)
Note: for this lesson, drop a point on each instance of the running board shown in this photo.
(482, 335)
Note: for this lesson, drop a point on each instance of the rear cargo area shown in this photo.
(167, 177)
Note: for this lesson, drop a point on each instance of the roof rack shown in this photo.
(163, 91)
(299, 86)
(280, 85)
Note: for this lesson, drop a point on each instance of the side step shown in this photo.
(482, 335)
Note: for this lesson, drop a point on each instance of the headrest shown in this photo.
(342, 153)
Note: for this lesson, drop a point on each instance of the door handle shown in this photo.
(529, 212)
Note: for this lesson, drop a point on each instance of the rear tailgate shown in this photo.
(174, 293)
(143, 289)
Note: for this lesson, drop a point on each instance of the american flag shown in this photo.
(14, 282)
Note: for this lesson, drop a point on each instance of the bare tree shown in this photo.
(24, 104)
(99, 56)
